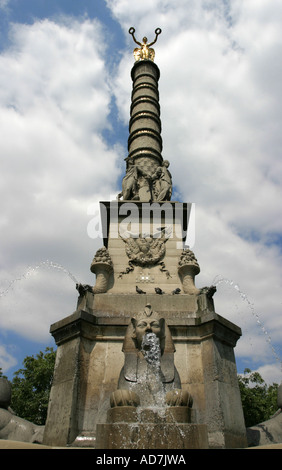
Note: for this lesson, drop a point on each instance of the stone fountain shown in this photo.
(145, 361)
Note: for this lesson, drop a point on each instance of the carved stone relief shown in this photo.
(145, 252)
(144, 182)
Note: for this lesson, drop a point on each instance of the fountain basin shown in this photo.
(151, 428)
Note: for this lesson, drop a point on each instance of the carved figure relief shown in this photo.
(162, 183)
(129, 183)
(158, 185)
(12, 427)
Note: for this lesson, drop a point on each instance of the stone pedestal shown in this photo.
(86, 372)
(154, 263)
(89, 360)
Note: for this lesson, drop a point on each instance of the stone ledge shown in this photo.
(101, 325)
(7, 444)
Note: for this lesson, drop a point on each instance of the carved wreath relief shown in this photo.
(145, 252)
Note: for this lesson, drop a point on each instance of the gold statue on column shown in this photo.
(145, 52)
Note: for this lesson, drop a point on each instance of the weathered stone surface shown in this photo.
(157, 257)
(13, 427)
(279, 397)
(5, 393)
(169, 414)
(129, 427)
(90, 357)
(9, 444)
(118, 305)
(268, 432)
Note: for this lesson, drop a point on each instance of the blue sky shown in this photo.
(64, 109)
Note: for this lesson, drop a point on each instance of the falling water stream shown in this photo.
(219, 280)
(149, 383)
(150, 388)
(32, 269)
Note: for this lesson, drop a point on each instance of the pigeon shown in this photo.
(176, 291)
(159, 291)
(139, 291)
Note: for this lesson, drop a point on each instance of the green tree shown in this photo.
(31, 387)
(259, 400)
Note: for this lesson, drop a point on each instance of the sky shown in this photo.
(65, 91)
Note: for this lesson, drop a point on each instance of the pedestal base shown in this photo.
(151, 436)
(151, 428)
(89, 360)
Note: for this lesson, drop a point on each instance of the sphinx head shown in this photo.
(147, 323)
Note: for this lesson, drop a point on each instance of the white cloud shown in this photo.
(55, 103)
(270, 373)
(38, 297)
(7, 360)
(54, 106)
(4, 3)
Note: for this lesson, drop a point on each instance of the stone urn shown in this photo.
(188, 268)
(102, 266)
(102, 271)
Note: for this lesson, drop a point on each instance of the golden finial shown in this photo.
(145, 52)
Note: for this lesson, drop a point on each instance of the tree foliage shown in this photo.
(259, 400)
(31, 386)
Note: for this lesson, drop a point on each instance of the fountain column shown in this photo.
(145, 142)
(146, 275)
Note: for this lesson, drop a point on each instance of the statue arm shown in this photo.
(157, 174)
(157, 31)
(132, 31)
